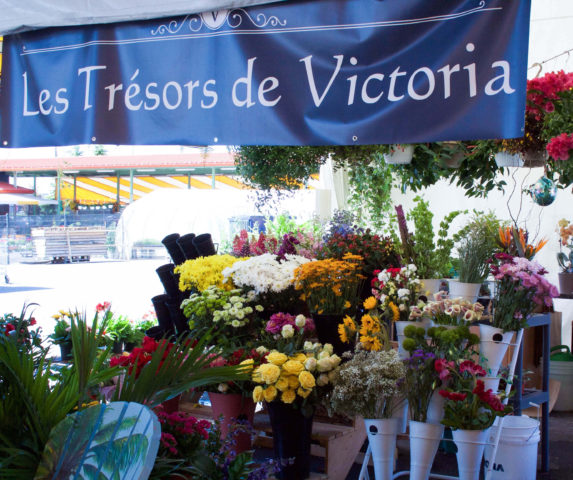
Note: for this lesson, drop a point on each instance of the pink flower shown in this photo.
(560, 146)
(455, 396)
(472, 368)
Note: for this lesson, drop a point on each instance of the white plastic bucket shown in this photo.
(563, 372)
(516, 456)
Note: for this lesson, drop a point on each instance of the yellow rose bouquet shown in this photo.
(330, 286)
(300, 379)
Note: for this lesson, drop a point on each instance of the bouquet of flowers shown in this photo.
(300, 378)
(520, 288)
(270, 278)
(514, 241)
(565, 240)
(397, 289)
(204, 272)
(468, 405)
(420, 382)
(446, 311)
(372, 333)
(368, 384)
(249, 358)
(375, 250)
(329, 286)
(245, 246)
(287, 333)
(234, 316)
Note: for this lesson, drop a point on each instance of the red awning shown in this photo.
(9, 188)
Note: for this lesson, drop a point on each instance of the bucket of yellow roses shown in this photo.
(291, 385)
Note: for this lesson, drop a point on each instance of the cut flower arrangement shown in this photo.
(446, 311)
(468, 405)
(397, 289)
(521, 287)
(203, 272)
(369, 384)
(372, 333)
(329, 286)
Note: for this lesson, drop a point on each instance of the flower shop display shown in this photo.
(203, 272)
(565, 260)
(371, 333)
(449, 312)
(477, 243)
(430, 252)
(377, 252)
(398, 291)
(291, 386)
(369, 385)
(330, 289)
(470, 411)
(271, 278)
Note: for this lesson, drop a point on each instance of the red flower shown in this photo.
(9, 328)
(442, 366)
(33, 321)
(455, 396)
(100, 307)
(472, 368)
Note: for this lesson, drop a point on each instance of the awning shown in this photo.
(8, 188)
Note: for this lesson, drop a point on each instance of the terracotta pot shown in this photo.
(232, 407)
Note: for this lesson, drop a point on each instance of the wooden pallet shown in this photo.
(70, 243)
(337, 444)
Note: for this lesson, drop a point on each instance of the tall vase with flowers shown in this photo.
(330, 288)
(291, 385)
(369, 385)
(565, 259)
(520, 288)
(398, 290)
(470, 411)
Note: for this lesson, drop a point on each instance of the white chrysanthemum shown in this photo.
(403, 292)
(287, 331)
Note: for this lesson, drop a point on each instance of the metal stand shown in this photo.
(515, 367)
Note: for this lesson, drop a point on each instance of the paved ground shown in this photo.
(128, 285)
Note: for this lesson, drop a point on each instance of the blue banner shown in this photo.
(294, 73)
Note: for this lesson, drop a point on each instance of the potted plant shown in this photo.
(62, 334)
(565, 260)
(369, 385)
(291, 386)
(470, 411)
(18, 330)
(120, 331)
(477, 242)
(430, 253)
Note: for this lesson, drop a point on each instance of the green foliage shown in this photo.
(370, 191)
(62, 332)
(18, 330)
(120, 329)
(477, 243)
(284, 224)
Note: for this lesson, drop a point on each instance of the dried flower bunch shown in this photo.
(368, 384)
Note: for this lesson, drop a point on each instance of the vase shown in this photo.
(66, 351)
(467, 291)
(327, 332)
(504, 159)
(429, 286)
(185, 243)
(424, 442)
(435, 412)
(204, 245)
(117, 348)
(170, 243)
(493, 346)
(491, 383)
(233, 407)
(291, 440)
(382, 435)
(566, 283)
(471, 444)
(129, 346)
(401, 155)
(400, 326)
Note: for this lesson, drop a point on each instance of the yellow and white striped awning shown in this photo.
(100, 190)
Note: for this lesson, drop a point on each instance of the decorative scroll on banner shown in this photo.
(293, 73)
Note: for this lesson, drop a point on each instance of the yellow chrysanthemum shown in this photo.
(288, 396)
(282, 384)
(302, 392)
(306, 380)
(270, 393)
(269, 373)
(258, 394)
(276, 358)
(369, 303)
(293, 367)
(203, 272)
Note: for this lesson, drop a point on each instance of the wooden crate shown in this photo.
(337, 444)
